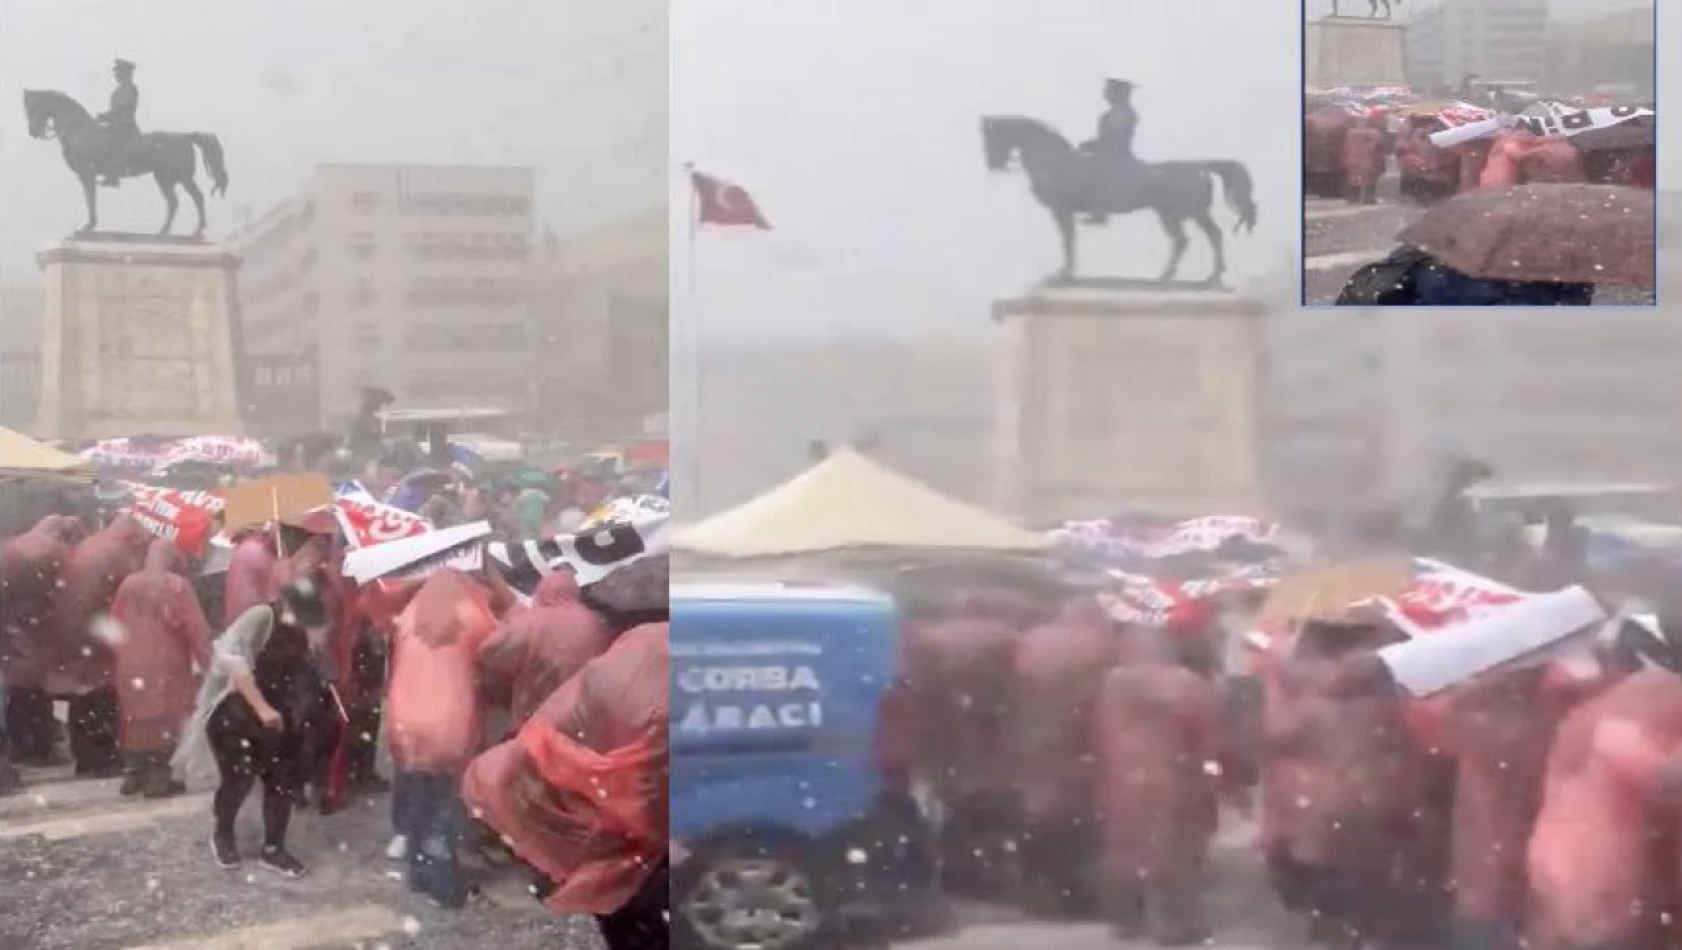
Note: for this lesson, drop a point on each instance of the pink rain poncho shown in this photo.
(30, 565)
(537, 649)
(89, 582)
(250, 579)
(581, 792)
(164, 636)
(432, 712)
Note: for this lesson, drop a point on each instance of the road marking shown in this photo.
(34, 798)
(119, 818)
(1065, 936)
(1344, 259)
(1344, 211)
(339, 928)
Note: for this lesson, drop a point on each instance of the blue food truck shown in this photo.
(785, 835)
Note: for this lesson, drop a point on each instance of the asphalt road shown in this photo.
(1338, 238)
(83, 869)
(1241, 908)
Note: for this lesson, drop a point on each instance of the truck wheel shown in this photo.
(742, 895)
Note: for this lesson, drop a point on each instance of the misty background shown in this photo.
(574, 88)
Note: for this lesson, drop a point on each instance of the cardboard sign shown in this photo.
(1533, 626)
(1327, 593)
(283, 498)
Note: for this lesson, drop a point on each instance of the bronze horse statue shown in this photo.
(1068, 183)
(1375, 4)
(167, 156)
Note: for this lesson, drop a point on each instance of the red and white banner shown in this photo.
(1200, 534)
(128, 455)
(238, 453)
(1143, 601)
(1443, 596)
(367, 521)
(187, 518)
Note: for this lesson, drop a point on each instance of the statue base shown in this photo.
(1354, 51)
(141, 336)
(1114, 398)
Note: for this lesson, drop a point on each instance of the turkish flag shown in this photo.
(726, 204)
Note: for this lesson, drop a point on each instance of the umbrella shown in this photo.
(638, 592)
(1632, 133)
(1585, 234)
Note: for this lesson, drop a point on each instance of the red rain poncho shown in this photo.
(1602, 860)
(581, 793)
(30, 566)
(1362, 155)
(164, 635)
(537, 649)
(90, 580)
(432, 712)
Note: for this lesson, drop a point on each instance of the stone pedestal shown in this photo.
(1354, 51)
(1115, 396)
(141, 336)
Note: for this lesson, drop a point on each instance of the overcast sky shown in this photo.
(576, 88)
(855, 125)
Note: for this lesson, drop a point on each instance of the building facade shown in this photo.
(1495, 40)
(600, 328)
(1364, 414)
(1613, 53)
(409, 277)
(22, 310)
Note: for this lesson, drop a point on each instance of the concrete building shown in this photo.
(600, 328)
(927, 404)
(409, 277)
(1363, 410)
(21, 314)
(1496, 40)
(1611, 53)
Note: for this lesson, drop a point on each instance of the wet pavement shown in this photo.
(83, 869)
(1242, 910)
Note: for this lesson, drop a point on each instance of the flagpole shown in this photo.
(697, 426)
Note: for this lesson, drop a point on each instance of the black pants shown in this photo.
(247, 753)
(641, 923)
(93, 732)
(29, 725)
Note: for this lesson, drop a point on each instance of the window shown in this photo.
(364, 202)
(362, 246)
(365, 293)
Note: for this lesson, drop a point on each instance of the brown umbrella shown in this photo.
(1585, 234)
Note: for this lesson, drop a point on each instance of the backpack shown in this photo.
(1385, 283)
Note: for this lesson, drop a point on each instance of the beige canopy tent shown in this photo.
(22, 456)
(849, 501)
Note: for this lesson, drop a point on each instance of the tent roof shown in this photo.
(850, 501)
(19, 454)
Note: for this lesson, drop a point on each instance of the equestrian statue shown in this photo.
(1375, 5)
(1103, 177)
(103, 150)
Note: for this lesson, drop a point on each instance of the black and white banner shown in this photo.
(590, 555)
(1556, 118)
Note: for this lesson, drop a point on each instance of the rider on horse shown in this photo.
(1114, 143)
(119, 119)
